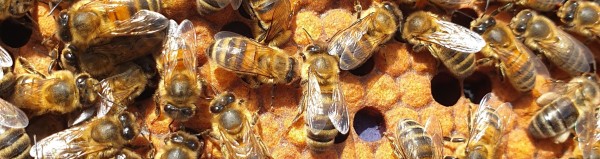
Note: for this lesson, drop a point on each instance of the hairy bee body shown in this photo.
(233, 128)
(450, 43)
(355, 44)
(180, 145)
(563, 108)
(541, 34)
(452, 4)
(14, 8)
(269, 65)
(274, 20)
(484, 144)
(15, 143)
(103, 137)
(414, 140)
(581, 17)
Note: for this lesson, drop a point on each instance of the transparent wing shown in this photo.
(586, 132)
(338, 112)
(11, 116)
(187, 36)
(141, 23)
(170, 49)
(118, 91)
(489, 118)
(64, 144)
(433, 128)
(453, 2)
(281, 16)
(315, 111)
(242, 57)
(581, 48)
(5, 59)
(236, 4)
(456, 37)
(568, 47)
(226, 34)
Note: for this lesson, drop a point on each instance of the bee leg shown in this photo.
(546, 98)
(391, 138)
(501, 71)
(157, 107)
(357, 8)
(28, 67)
(300, 109)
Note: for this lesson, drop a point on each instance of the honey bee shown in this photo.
(415, 141)
(486, 129)
(16, 143)
(581, 17)
(539, 5)
(446, 4)
(120, 90)
(451, 43)
(322, 99)
(104, 137)
(205, 7)
(355, 44)
(180, 145)
(5, 61)
(260, 63)
(60, 92)
(541, 34)
(587, 130)
(563, 107)
(512, 59)
(274, 20)
(179, 87)
(15, 8)
(233, 128)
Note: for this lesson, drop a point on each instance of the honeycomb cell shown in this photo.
(445, 89)
(369, 124)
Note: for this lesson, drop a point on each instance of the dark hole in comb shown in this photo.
(239, 28)
(16, 32)
(244, 13)
(460, 18)
(339, 138)
(476, 86)
(365, 68)
(445, 89)
(369, 124)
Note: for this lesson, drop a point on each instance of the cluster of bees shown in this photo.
(110, 55)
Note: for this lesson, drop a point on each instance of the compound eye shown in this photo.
(70, 57)
(569, 17)
(170, 108)
(521, 28)
(81, 81)
(187, 112)
(479, 29)
(388, 6)
(216, 109)
(128, 133)
(229, 98)
(191, 144)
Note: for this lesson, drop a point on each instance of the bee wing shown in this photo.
(349, 40)
(433, 128)
(453, 2)
(285, 11)
(5, 59)
(236, 4)
(550, 2)
(315, 110)
(11, 116)
(587, 129)
(188, 42)
(338, 112)
(181, 40)
(566, 47)
(455, 37)
(486, 115)
(141, 23)
(64, 144)
(244, 56)
(116, 91)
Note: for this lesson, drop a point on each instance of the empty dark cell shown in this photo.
(15, 32)
(365, 68)
(341, 137)
(464, 17)
(476, 86)
(369, 124)
(238, 27)
(445, 89)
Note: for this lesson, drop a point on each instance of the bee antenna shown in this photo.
(487, 4)
(307, 34)
(53, 7)
(501, 9)
(465, 14)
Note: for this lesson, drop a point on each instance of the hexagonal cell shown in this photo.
(369, 124)
(445, 89)
(476, 86)
(238, 27)
(365, 68)
(16, 32)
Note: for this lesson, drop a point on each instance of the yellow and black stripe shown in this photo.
(14, 143)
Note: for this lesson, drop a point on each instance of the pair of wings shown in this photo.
(588, 131)
(485, 113)
(433, 129)
(248, 63)
(250, 144)
(337, 112)
(5, 61)
(11, 116)
(180, 45)
(567, 47)
(141, 23)
(349, 40)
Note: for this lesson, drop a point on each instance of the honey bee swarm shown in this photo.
(398, 86)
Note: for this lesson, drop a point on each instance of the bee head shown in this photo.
(127, 121)
(479, 151)
(179, 113)
(85, 84)
(519, 23)
(481, 25)
(184, 140)
(220, 102)
(68, 58)
(567, 11)
(64, 33)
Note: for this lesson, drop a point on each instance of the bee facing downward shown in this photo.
(413, 141)
(581, 17)
(180, 145)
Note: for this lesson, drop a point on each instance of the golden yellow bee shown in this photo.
(180, 86)
(412, 140)
(513, 60)
(542, 35)
(451, 43)
(233, 128)
(539, 5)
(12, 132)
(355, 44)
(487, 125)
(446, 4)
(180, 145)
(15, 8)
(323, 105)
(274, 20)
(564, 106)
(60, 92)
(260, 63)
(581, 17)
(120, 90)
(205, 7)
(104, 137)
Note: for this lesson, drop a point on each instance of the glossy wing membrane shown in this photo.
(338, 112)
(64, 144)
(11, 116)
(5, 59)
(484, 116)
(456, 37)
(285, 10)
(433, 128)
(116, 92)
(187, 38)
(314, 108)
(453, 2)
(550, 2)
(248, 64)
(586, 130)
(567, 47)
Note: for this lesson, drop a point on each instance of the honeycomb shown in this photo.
(395, 83)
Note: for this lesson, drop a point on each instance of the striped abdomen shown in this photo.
(554, 119)
(519, 69)
(124, 12)
(414, 141)
(541, 5)
(458, 63)
(205, 7)
(324, 139)
(568, 56)
(14, 143)
(486, 134)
